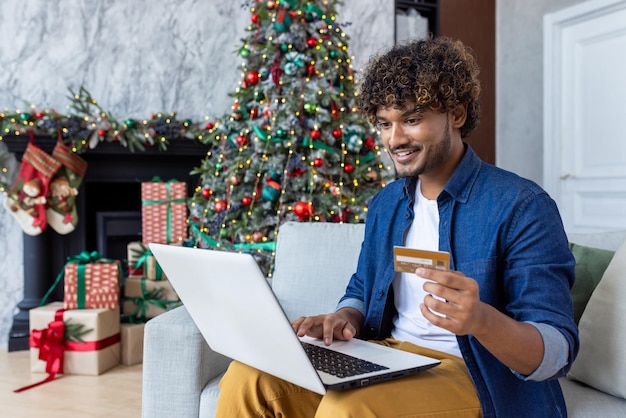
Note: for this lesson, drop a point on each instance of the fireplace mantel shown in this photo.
(111, 185)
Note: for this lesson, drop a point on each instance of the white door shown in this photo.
(585, 114)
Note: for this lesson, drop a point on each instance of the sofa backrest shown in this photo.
(314, 262)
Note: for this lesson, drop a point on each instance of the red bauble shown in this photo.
(242, 140)
(369, 143)
(219, 206)
(348, 168)
(303, 210)
(39, 115)
(254, 18)
(206, 192)
(254, 112)
(337, 133)
(252, 77)
(246, 200)
(209, 125)
(318, 162)
(310, 69)
(311, 42)
(102, 132)
(315, 134)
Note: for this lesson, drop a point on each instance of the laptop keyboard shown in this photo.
(338, 364)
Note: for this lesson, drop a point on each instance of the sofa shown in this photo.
(313, 264)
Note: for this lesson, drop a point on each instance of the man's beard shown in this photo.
(438, 155)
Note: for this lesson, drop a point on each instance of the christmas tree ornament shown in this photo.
(318, 162)
(219, 206)
(209, 125)
(61, 209)
(234, 180)
(26, 201)
(255, 19)
(310, 108)
(246, 200)
(244, 52)
(316, 134)
(337, 133)
(206, 192)
(303, 210)
(281, 133)
(283, 21)
(348, 168)
(270, 192)
(311, 42)
(310, 69)
(242, 140)
(270, 4)
(290, 68)
(252, 77)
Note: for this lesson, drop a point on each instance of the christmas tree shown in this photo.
(293, 146)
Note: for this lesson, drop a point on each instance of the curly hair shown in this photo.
(435, 73)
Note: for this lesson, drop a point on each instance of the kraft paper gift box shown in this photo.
(145, 299)
(132, 343)
(163, 212)
(99, 350)
(91, 281)
(142, 262)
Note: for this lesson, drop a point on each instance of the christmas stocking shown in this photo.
(61, 212)
(26, 200)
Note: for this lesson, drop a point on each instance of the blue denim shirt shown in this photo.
(505, 232)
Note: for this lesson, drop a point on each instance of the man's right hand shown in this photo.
(341, 325)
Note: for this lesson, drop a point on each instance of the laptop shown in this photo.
(233, 306)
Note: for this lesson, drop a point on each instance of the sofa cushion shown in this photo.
(590, 266)
(602, 357)
(314, 262)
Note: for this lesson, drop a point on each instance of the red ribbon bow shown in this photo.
(51, 348)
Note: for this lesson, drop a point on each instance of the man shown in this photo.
(501, 320)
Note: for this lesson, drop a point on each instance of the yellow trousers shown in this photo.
(443, 391)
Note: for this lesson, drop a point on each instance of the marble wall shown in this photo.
(136, 58)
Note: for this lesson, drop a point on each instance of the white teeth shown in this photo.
(403, 154)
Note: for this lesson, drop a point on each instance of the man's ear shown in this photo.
(458, 116)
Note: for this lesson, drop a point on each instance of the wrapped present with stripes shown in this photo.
(141, 262)
(163, 211)
(92, 281)
(145, 299)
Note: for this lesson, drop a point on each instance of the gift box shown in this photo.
(142, 262)
(145, 299)
(91, 282)
(163, 212)
(132, 343)
(90, 344)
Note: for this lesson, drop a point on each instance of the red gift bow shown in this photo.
(52, 347)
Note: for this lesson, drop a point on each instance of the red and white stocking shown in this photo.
(26, 200)
(61, 212)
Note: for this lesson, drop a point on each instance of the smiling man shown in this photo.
(500, 320)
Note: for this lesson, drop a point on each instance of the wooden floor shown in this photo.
(116, 393)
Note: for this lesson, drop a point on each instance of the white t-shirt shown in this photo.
(410, 325)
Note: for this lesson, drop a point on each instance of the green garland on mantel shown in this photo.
(87, 125)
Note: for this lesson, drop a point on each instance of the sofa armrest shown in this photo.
(177, 364)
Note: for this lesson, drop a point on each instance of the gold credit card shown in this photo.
(407, 260)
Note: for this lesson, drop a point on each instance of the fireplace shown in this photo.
(109, 213)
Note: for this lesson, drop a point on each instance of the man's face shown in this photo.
(419, 142)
